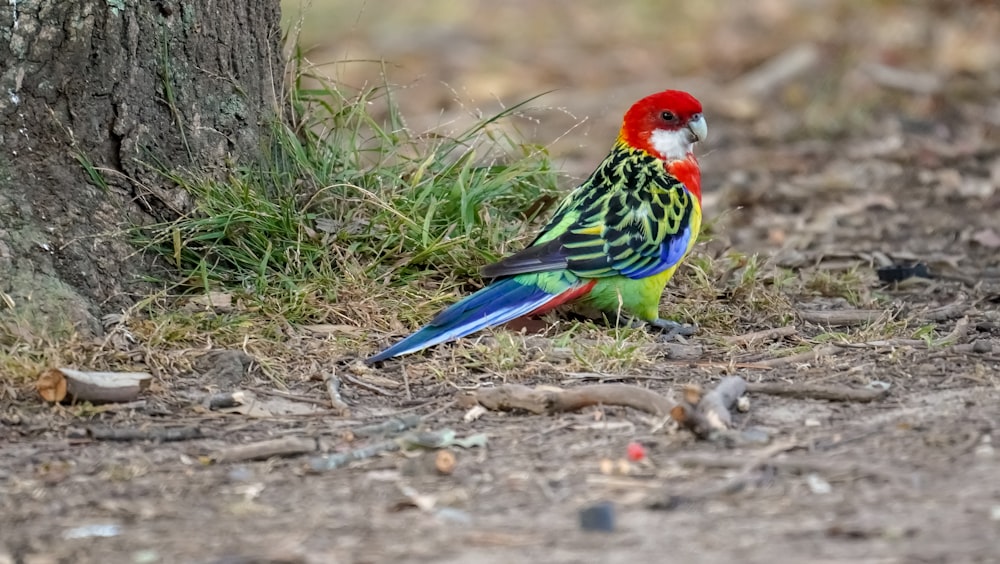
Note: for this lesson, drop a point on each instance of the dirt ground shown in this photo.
(843, 135)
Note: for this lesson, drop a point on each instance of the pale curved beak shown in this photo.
(698, 128)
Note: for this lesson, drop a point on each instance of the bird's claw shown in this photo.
(673, 329)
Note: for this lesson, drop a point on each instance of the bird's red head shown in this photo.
(665, 124)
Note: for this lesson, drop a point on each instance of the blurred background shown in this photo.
(788, 85)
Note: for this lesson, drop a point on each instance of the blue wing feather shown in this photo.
(498, 303)
(671, 252)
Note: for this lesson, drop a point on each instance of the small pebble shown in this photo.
(982, 346)
(811, 422)
(818, 485)
(598, 517)
(743, 404)
(99, 530)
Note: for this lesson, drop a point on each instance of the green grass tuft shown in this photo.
(345, 204)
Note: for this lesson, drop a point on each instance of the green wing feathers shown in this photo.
(630, 218)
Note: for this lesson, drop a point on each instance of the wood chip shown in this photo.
(58, 384)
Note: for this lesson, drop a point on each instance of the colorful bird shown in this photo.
(613, 242)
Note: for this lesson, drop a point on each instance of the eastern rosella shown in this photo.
(613, 242)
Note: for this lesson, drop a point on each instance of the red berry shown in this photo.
(636, 452)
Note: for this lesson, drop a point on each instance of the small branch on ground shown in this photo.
(388, 427)
(58, 384)
(334, 461)
(801, 358)
(571, 376)
(959, 332)
(292, 397)
(370, 387)
(807, 391)
(948, 312)
(163, 435)
(551, 400)
(336, 400)
(758, 336)
(262, 450)
(704, 414)
(699, 414)
(116, 407)
(429, 440)
(841, 317)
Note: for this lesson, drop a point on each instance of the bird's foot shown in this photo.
(673, 329)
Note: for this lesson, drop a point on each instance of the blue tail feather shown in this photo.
(498, 303)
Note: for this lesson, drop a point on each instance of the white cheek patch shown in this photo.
(671, 145)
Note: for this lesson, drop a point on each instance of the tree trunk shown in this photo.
(121, 84)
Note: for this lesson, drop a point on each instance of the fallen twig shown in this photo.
(959, 332)
(115, 407)
(947, 312)
(799, 358)
(334, 461)
(336, 400)
(156, 434)
(570, 376)
(426, 440)
(406, 382)
(370, 387)
(293, 397)
(841, 317)
(703, 414)
(388, 427)
(807, 391)
(550, 400)
(58, 384)
(763, 335)
(261, 450)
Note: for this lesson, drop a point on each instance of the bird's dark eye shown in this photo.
(668, 116)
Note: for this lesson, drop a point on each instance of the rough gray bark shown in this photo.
(185, 84)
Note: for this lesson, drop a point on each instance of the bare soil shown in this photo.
(911, 477)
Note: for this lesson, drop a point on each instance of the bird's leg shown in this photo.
(667, 327)
(672, 329)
